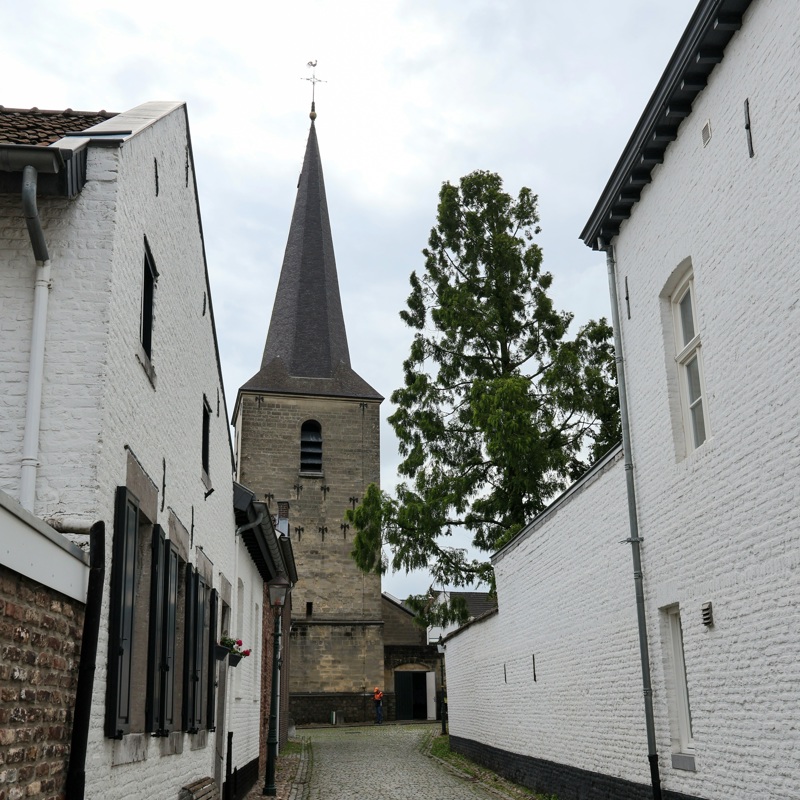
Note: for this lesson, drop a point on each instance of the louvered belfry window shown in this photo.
(311, 446)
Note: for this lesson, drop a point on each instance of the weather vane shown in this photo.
(314, 81)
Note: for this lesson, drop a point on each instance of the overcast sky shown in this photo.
(417, 92)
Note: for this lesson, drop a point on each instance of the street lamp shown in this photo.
(279, 588)
(441, 646)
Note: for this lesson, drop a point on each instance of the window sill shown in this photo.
(130, 749)
(199, 740)
(206, 480)
(683, 761)
(311, 474)
(147, 365)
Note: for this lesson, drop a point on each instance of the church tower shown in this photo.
(307, 431)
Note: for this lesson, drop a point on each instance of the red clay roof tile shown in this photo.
(38, 127)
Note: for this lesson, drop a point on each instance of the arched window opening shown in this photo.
(311, 446)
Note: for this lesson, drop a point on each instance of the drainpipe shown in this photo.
(634, 540)
(76, 771)
(33, 411)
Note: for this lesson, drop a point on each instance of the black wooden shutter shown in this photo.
(212, 659)
(155, 650)
(189, 684)
(170, 637)
(200, 651)
(120, 640)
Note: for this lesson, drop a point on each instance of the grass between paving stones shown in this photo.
(438, 746)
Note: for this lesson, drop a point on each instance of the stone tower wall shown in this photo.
(337, 629)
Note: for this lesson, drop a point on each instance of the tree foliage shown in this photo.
(499, 406)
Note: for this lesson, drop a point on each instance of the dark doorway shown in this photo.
(411, 695)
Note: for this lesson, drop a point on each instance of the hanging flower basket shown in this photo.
(221, 652)
(232, 648)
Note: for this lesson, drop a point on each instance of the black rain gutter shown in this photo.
(76, 770)
(699, 50)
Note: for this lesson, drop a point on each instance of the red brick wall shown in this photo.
(40, 633)
(268, 622)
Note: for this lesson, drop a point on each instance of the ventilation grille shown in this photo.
(706, 132)
(708, 614)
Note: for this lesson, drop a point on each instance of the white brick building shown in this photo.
(699, 214)
(133, 432)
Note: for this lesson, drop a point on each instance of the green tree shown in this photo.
(498, 405)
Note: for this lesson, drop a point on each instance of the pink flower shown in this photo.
(245, 652)
(239, 642)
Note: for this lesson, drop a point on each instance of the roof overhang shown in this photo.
(272, 554)
(700, 49)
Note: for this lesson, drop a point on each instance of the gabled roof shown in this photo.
(477, 602)
(306, 350)
(35, 126)
(699, 50)
(397, 603)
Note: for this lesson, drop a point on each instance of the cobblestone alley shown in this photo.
(383, 762)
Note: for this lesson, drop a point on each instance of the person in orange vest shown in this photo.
(377, 696)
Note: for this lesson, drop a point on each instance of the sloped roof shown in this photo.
(306, 350)
(477, 602)
(33, 126)
(272, 554)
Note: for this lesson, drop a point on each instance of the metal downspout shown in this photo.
(634, 540)
(76, 771)
(33, 410)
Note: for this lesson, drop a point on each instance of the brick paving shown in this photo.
(384, 762)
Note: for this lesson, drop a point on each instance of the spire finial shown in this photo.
(314, 80)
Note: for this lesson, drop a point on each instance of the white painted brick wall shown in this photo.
(720, 524)
(565, 595)
(98, 399)
(244, 682)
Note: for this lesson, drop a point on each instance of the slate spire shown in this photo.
(306, 350)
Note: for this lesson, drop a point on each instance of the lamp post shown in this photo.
(440, 646)
(279, 588)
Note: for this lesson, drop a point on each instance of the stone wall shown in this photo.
(335, 657)
(314, 708)
(40, 639)
(399, 627)
(336, 641)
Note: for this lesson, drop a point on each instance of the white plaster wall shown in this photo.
(566, 596)
(721, 523)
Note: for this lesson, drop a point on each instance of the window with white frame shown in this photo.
(678, 693)
(690, 364)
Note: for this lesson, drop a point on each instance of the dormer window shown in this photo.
(311, 446)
